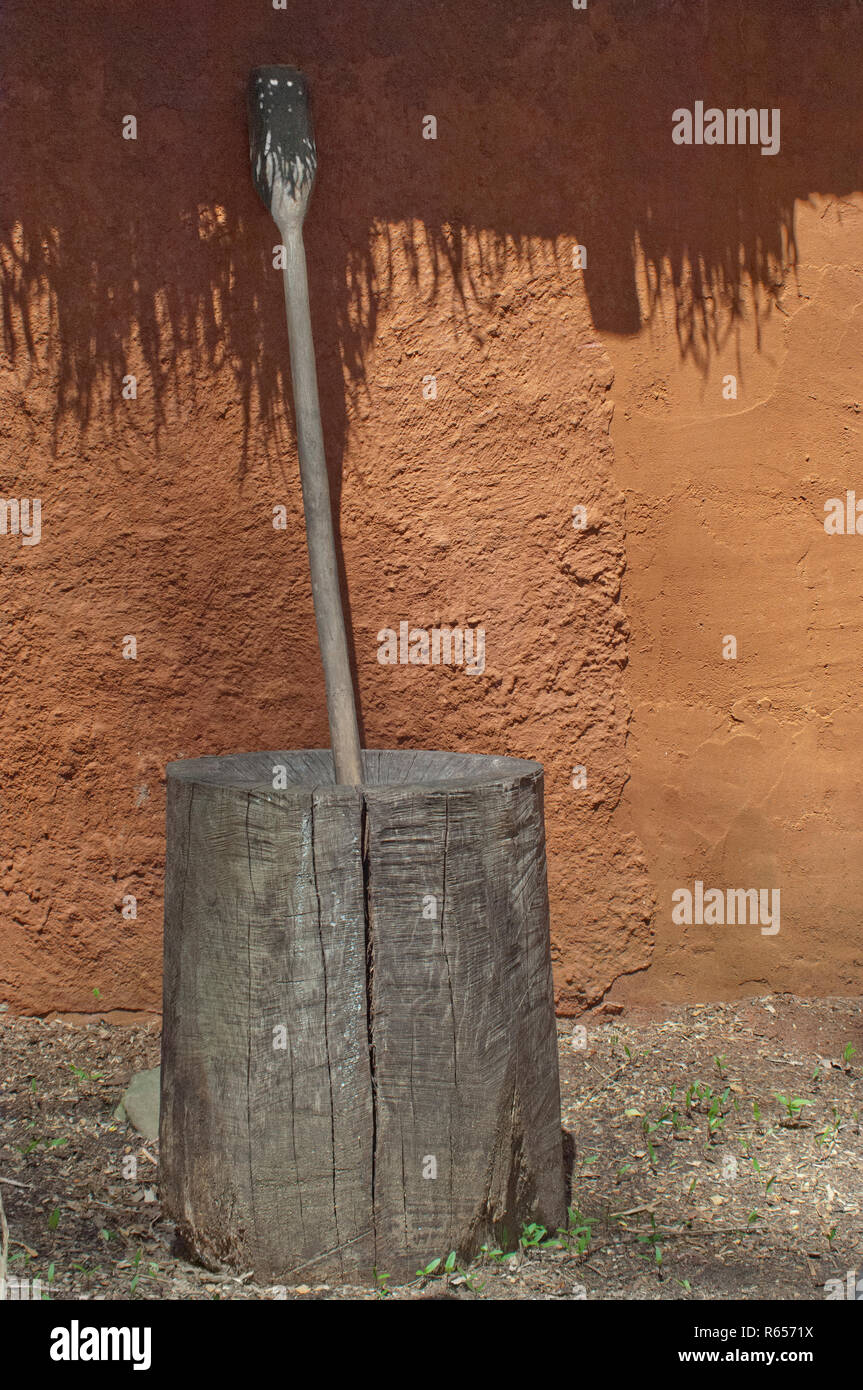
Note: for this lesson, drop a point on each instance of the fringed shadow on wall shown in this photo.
(553, 126)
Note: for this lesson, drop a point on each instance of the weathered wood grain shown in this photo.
(359, 1057)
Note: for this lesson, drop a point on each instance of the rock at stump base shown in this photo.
(140, 1103)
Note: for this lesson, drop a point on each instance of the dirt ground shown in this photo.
(691, 1178)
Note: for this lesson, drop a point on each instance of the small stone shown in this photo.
(140, 1103)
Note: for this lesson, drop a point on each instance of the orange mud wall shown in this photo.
(557, 388)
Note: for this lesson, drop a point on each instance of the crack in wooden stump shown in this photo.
(365, 854)
(249, 1032)
(326, 1020)
(451, 1005)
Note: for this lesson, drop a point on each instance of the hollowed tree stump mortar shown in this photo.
(359, 1060)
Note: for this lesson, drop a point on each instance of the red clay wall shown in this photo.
(451, 258)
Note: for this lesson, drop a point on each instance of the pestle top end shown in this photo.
(281, 140)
